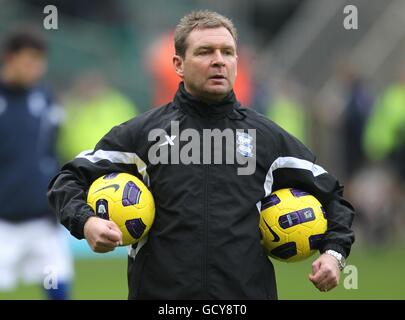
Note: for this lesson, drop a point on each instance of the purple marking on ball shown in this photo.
(131, 194)
(135, 227)
(298, 193)
(315, 241)
(110, 175)
(297, 217)
(285, 251)
(270, 201)
(102, 209)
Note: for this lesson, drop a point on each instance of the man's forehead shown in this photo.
(210, 37)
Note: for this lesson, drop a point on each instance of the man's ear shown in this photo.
(178, 65)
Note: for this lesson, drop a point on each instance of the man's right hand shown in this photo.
(102, 235)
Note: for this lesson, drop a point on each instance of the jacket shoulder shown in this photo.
(262, 122)
(281, 140)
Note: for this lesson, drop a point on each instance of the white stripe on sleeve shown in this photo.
(293, 163)
(117, 157)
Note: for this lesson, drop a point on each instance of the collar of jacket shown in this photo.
(228, 107)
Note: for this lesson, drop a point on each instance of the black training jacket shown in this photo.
(205, 241)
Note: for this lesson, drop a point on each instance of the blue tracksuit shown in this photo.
(28, 124)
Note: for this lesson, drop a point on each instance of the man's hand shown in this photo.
(325, 272)
(102, 235)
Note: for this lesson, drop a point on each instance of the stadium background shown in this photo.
(298, 57)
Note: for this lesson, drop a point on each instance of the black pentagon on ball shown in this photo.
(285, 251)
(315, 241)
(270, 201)
(298, 193)
(110, 175)
(135, 227)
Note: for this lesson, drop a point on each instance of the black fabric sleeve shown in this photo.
(67, 192)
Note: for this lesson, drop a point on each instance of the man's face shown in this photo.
(26, 66)
(209, 66)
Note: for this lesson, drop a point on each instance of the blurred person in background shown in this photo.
(342, 108)
(384, 139)
(357, 103)
(373, 192)
(31, 242)
(362, 187)
(284, 109)
(92, 108)
(384, 144)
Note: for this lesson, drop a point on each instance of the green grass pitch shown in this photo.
(380, 276)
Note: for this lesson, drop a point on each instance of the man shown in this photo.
(205, 241)
(31, 243)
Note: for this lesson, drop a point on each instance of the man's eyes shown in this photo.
(225, 52)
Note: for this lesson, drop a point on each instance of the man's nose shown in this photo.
(218, 59)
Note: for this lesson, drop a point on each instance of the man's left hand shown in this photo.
(325, 273)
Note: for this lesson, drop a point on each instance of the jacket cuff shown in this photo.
(333, 246)
(77, 225)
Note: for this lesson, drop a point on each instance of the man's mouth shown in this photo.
(218, 77)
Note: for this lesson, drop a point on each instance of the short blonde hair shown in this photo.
(204, 19)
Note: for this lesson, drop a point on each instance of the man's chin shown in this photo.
(210, 92)
(219, 91)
